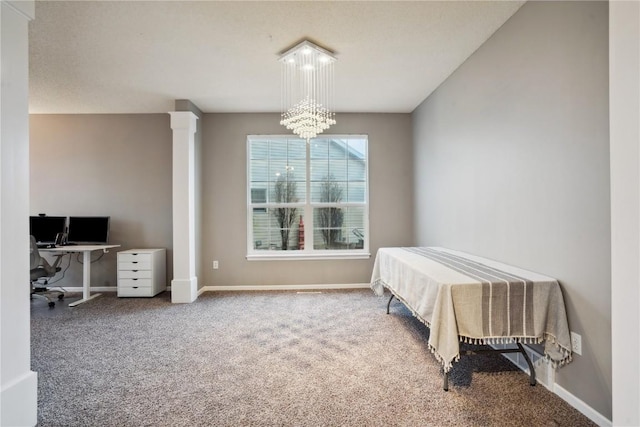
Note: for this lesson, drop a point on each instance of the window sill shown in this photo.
(307, 257)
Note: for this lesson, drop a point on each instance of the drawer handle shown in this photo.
(135, 287)
(134, 262)
(135, 278)
(135, 271)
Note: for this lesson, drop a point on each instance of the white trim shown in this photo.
(546, 376)
(184, 290)
(93, 288)
(26, 9)
(285, 287)
(79, 288)
(18, 398)
(300, 255)
(581, 406)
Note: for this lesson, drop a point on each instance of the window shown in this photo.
(307, 200)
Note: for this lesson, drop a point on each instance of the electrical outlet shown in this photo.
(576, 343)
(215, 264)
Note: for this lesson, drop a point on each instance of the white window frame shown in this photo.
(308, 253)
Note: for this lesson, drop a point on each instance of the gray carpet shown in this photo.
(266, 359)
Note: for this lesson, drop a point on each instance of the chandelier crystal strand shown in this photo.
(307, 90)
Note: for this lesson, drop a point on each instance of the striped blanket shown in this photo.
(462, 297)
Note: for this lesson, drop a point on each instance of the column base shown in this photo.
(184, 290)
(20, 402)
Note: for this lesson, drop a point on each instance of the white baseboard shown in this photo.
(20, 401)
(316, 287)
(581, 406)
(238, 288)
(93, 288)
(546, 376)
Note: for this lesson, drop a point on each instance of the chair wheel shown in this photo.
(60, 297)
(52, 304)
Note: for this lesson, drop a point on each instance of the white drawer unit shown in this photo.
(142, 272)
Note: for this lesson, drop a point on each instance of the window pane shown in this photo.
(337, 149)
(278, 150)
(297, 149)
(338, 228)
(356, 192)
(338, 169)
(259, 149)
(358, 149)
(283, 190)
(260, 228)
(319, 149)
(319, 170)
(259, 170)
(277, 169)
(328, 231)
(329, 191)
(357, 170)
(259, 192)
(354, 226)
(297, 169)
(277, 229)
(328, 228)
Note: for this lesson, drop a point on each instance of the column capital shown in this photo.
(183, 120)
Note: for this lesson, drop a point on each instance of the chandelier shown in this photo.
(307, 90)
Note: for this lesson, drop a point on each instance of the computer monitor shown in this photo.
(88, 229)
(44, 228)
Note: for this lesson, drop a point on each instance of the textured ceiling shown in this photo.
(138, 57)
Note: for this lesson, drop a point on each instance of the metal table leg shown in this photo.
(532, 371)
(389, 303)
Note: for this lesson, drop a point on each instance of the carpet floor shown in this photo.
(266, 359)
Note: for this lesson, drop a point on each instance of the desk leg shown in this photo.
(86, 280)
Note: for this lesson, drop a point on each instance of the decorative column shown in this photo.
(184, 286)
(18, 384)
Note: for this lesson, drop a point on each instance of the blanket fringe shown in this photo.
(378, 287)
(447, 365)
(566, 354)
(501, 340)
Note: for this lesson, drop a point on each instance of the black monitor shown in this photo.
(88, 229)
(45, 228)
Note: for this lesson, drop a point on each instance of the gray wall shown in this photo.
(120, 165)
(115, 164)
(512, 163)
(224, 203)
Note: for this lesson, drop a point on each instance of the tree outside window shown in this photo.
(285, 192)
(330, 219)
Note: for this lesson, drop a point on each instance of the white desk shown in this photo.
(86, 265)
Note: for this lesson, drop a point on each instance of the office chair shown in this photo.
(39, 269)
